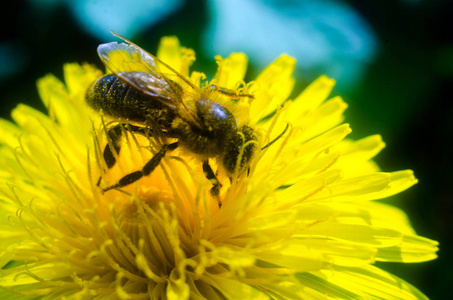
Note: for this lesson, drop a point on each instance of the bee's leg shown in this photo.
(229, 92)
(146, 170)
(216, 185)
(114, 134)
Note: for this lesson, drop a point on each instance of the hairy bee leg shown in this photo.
(114, 134)
(229, 92)
(146, 170)
(216, 185)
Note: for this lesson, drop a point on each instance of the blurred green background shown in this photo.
(393, 62)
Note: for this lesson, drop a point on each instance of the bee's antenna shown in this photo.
(274, 140)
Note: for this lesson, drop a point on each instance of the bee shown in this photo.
(160, 102)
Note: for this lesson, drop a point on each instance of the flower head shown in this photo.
(300, 222)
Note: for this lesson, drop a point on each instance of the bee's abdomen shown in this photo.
(120, 100)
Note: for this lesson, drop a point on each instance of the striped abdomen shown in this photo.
(118, 99)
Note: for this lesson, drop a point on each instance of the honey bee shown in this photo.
(159, 102)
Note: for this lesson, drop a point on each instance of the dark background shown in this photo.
(405, 94)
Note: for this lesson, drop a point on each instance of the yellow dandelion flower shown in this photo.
(300, 222)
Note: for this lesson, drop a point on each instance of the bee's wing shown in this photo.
(122, 59)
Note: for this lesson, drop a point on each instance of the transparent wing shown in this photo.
(140, 69)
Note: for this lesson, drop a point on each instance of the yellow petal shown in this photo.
(356, 155)
(360, 234)
(62, 109)
(340, 252)
(324, 117)
(273, 86)
(295, 258)
(399, 181)
(234, 258)
(366, 187)
(311, 97)
(234, 289)
(9, 134)
(412, 249)
(368, 282)
(231, 70)
(78, 78)
(177, 57)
